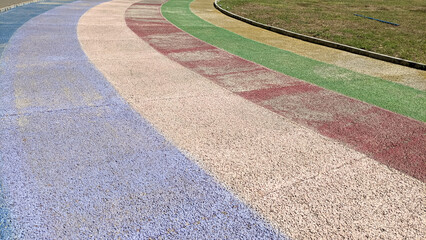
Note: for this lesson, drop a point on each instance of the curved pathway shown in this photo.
(388, 95)
(117, 124)
(10, 21)
(404, 75)
(390, 138)
(78, 162)
(305, 184)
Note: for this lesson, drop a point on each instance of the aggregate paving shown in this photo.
(6, 5)
(276, 166)
(379, 92)
(390, 138)
(400, 74)
(78, 162)
(115, 124)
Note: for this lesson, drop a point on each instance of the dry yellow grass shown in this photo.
(334, 20)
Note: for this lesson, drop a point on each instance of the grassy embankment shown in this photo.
(334, 20)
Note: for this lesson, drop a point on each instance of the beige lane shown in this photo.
(393, 72)
(303, 183)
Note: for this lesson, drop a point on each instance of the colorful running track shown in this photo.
(115, 122)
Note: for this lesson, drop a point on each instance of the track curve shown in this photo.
(116, 124)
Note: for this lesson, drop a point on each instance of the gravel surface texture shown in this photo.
(308, 185)
(385, 94)
(115, 124)
(392, 72)
(78, 162)
(390, 138)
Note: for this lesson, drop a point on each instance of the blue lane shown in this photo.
(77, 162)
(14, 18)
(5, 224)
(10, 21)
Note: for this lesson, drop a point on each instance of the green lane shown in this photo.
(388, 95)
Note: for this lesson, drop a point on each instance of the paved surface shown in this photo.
(115, 123)
(385, 94)
(364, 127)
(400, 74)
(79, 162)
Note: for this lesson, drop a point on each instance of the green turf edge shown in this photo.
(392, 96)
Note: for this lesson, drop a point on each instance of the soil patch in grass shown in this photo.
(334, 20)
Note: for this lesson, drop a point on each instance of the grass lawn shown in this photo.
(334, 20)
(385, 94)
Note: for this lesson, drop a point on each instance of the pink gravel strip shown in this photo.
(390, 138)
(307, 185)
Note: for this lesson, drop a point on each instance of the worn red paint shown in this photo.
(272, 92)
(391, 139)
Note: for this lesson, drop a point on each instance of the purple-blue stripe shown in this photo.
(78, 162)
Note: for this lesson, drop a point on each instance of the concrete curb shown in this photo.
(323, 42)
(18, 5)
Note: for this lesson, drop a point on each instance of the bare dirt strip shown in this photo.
(306, 184)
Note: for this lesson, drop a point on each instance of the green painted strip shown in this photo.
(388, 95)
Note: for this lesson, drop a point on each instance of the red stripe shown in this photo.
(392, 139)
